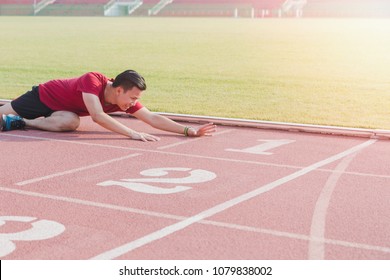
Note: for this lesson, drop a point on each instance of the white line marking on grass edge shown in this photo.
(128, 247)
(30, 181)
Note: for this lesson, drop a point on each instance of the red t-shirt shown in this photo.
(66, 94)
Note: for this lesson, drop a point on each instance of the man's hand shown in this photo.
(204, 130)
(144, 137)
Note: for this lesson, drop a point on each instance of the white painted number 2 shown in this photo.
(40, 230)
(262, 149)
(144, 185)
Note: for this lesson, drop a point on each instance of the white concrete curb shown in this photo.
(333, 130)
(320, 129)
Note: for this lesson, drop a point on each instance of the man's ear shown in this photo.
(119, 90)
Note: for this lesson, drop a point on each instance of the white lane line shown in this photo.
(191, 155)
(318, 223)
(297, 236)
(159, 234)
(154, 151)
(91, 203)
(187, 141)
(270, 232)
(355, 173)
(75, 170)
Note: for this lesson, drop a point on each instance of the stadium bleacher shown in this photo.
(237, 8)
(17, 7)
(80, 2)
(17, 2)
(215, 8)
(143, 10)
(74, 8)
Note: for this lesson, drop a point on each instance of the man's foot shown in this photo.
(11, 122)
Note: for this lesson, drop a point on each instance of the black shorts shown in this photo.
(29, 105)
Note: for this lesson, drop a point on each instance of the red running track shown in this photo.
(244, 193)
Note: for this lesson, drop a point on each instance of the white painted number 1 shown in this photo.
(143, 185)
(262, 149)
(40, 230)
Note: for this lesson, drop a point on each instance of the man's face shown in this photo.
(129, 98)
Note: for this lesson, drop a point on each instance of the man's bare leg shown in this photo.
(58, 121)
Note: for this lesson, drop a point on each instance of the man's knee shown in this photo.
(68, 121)
(72, 125)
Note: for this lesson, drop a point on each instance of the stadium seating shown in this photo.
(80, 2)
(17, 2)
(238, 8)
(75, 8)
(17, 7)
(58, 7)
(220, 8)
(145, 7)
(255, 3)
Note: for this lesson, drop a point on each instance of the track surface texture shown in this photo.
(244, 193)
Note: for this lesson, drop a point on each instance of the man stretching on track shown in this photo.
(57, 105)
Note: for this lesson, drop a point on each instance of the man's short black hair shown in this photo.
(128, 79)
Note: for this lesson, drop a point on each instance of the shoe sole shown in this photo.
(1, 123)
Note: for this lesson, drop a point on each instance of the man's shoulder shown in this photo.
(93, 78)
(92, 82)
(94, 74)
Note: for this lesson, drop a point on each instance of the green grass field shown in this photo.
(328, 72)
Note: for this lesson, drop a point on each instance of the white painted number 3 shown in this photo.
(39, 230)
(143, 185)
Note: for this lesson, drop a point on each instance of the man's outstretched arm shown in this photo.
(97, 114)
(166, 124)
